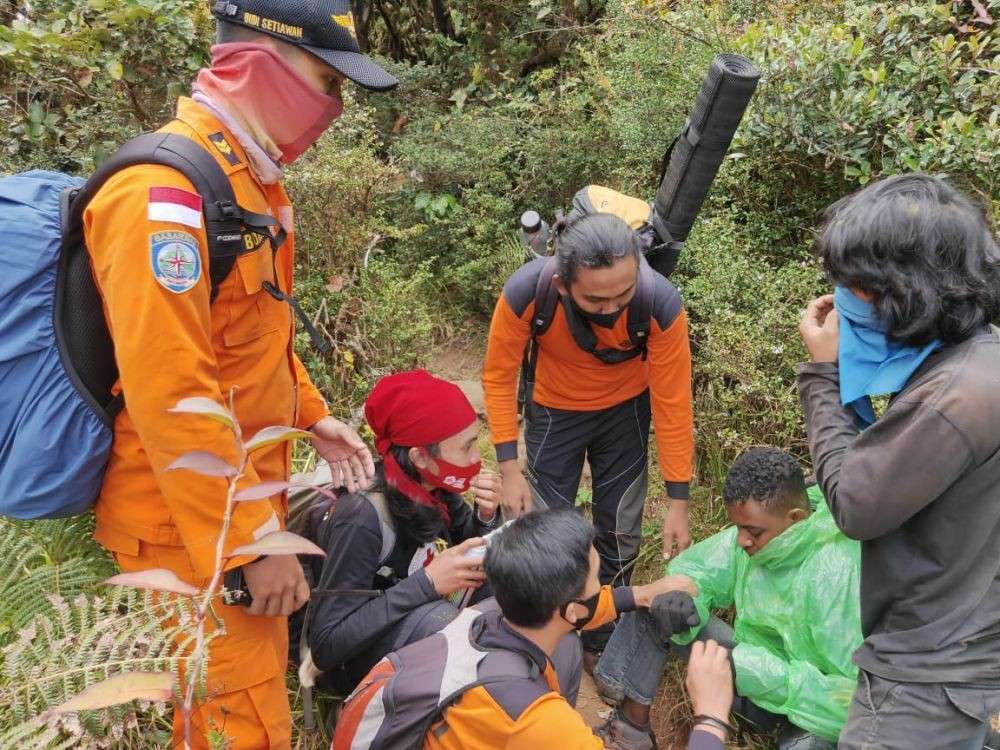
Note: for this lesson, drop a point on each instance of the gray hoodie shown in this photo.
(921, 489)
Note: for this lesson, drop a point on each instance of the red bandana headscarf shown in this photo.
(414, 409)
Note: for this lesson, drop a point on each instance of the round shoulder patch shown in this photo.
(175, 260)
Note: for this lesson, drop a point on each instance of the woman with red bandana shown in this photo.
(426, 433)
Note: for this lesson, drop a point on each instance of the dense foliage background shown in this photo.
(407, 208)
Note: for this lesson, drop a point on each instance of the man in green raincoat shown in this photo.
(792, 578)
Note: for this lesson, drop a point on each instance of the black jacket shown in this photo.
(345, 631)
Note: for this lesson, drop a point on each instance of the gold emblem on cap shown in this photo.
(346, 21)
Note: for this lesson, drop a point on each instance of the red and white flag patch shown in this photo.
(175, 205)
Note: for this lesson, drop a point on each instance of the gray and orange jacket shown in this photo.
(569, 378)
(521, 713)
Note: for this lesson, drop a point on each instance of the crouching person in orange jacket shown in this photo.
(272, 89)
(487, 680)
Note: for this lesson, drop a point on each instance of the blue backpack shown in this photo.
(57, 365)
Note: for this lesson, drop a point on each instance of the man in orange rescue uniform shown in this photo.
(272, 89)
(595, 390)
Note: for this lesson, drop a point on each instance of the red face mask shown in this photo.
(451, 478)
(257, 85)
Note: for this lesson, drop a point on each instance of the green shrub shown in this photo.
(385, 319)
(472, 173)
(882, 88)
(340, 189)
(744, 312)
(651, 64)
(78, 79)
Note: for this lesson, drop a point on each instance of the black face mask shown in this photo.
(590, 604)
(604, 320)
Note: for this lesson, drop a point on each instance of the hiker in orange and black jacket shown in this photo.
(582, 407)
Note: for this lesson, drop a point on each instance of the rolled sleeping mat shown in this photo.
(693, 160)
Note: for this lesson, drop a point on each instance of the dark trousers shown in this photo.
(615, 442)
(891, 715)
(633, 662)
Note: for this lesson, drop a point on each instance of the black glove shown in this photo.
(674, 612)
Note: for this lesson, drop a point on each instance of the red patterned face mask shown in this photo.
(257, 85)
(451, 478)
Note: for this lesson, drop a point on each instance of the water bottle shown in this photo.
(534, 233)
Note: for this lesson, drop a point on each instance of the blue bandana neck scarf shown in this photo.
(871, 364)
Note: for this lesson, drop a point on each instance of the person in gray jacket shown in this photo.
(917, 275)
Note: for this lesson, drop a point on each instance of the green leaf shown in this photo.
(116, 70)
(274, 435)
(206, 407)
(459, 96)
(36, 113)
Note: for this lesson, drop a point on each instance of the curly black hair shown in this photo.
(768, 476)
(924, 251)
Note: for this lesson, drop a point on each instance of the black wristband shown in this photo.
(729, 729)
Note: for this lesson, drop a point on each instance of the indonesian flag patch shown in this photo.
(175, 205)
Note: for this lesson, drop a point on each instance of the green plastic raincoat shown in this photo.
(797, 616)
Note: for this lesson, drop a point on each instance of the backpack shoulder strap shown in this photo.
(495, 667)
(224, 219)
(640, 309)
(385, 520)
(546, 297)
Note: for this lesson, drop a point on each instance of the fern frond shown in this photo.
(79, 643)
(45, 557)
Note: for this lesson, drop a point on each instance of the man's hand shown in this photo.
(451, 571)
(676, 529)
(351, 463)
(675, 612)
(515, 494)
(820, 329)
(644, 595)
(710, 683)
(486, 494)
(276, 584)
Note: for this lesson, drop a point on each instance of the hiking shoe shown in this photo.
(618, 733)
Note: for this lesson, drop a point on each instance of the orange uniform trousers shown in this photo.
(250, 716)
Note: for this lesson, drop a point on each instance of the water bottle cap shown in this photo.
(531, 221)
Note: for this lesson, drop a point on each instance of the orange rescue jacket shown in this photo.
(171, 345)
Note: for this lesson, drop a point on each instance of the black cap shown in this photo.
(323, 27)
